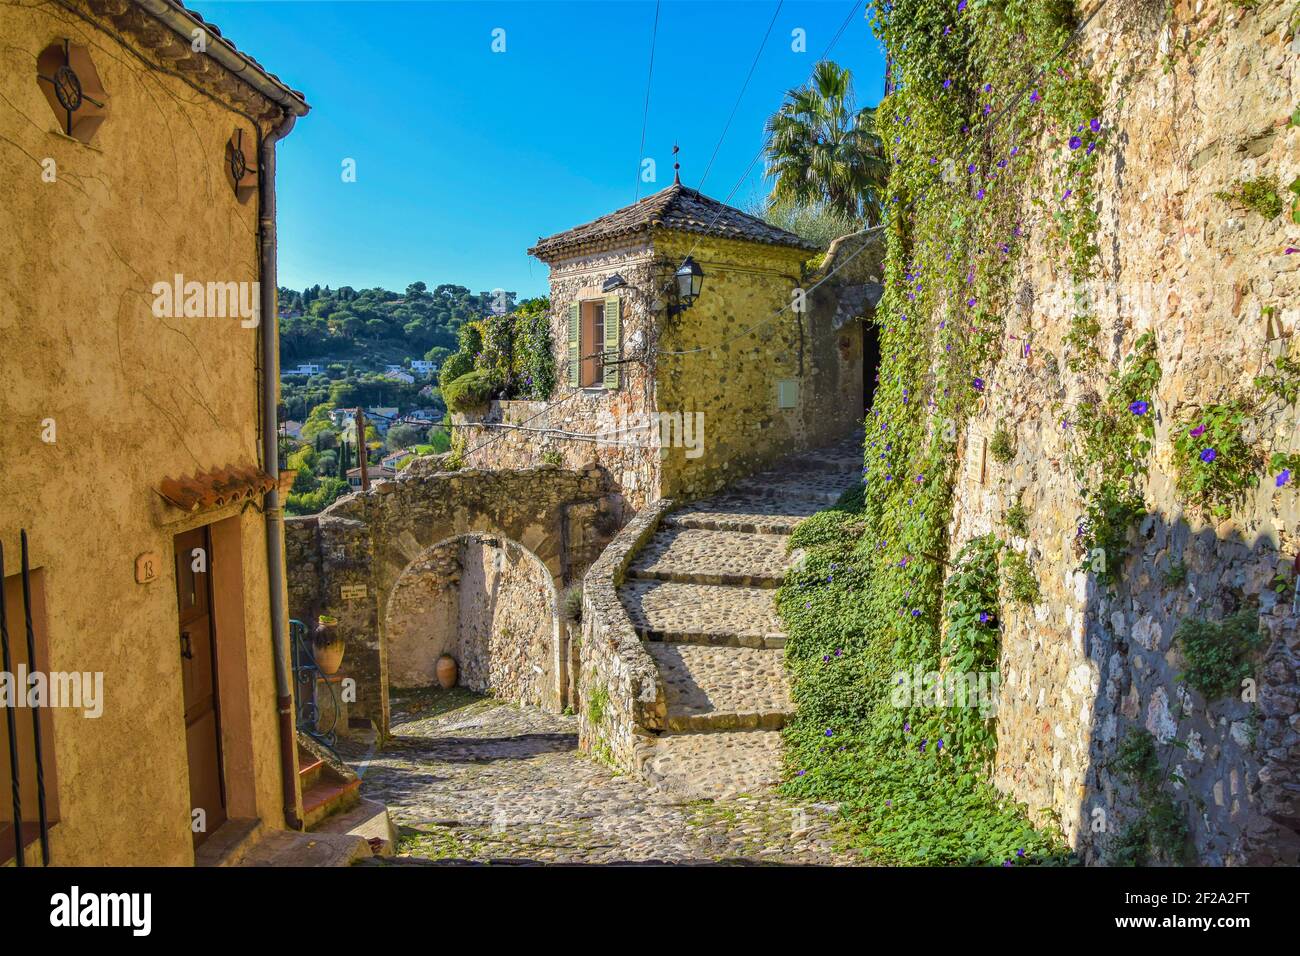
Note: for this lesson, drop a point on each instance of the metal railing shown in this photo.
(11, 721)
(306, 671)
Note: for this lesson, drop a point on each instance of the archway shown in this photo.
(491, 604)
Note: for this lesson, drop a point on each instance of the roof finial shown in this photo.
(677, 179)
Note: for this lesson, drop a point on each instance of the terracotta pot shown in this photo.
(446, 671)
(327, 645)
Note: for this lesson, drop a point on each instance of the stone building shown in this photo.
(138, 350)
(676, 399)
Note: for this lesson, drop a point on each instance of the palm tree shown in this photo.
(821, 151)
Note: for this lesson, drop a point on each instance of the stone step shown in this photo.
(703, 613)
(824, 488)
(714, 766)
(711, 688)
(752, 513)
(701, 556)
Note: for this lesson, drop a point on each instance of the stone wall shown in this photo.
(621, 702)
(1193, 105)
(588, 427)
(701, 410)
(382, 562)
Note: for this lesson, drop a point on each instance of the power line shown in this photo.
(645, 113)
(741, 94)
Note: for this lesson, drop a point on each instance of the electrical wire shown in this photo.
(645, 113)
(741, 94)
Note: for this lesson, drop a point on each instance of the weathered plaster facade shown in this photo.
(103, 399)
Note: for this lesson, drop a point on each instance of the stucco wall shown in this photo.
(133, 398)
(1086, 664)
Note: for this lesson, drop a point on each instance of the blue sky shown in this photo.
(465, 156)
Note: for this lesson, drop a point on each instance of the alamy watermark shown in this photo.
(640, 429)
(75, 690)
(952, 688)
(181, 299)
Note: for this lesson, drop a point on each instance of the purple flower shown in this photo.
(978, 384)
(984, 618)
(800, 773)
(1139, 408)
(1208, 455)
(1198, 431)
(1068, 194)
(1283, 477)
(916, 612)
(947, 84)
(828, 732)
(970, 303)
(961, 6)
(980, 194)
(939, 745)
(1095, 125)
(1075, 142)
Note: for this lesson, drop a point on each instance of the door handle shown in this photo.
(187, 649)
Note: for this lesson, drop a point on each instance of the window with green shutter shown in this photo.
(612, 315)
(575, 312)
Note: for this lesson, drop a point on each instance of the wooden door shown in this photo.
(198, 659)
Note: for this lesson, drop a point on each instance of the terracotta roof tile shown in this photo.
(216, 488)
(677, 207)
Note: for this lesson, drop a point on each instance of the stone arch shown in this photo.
(489, 602)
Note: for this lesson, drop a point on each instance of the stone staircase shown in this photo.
(701, 595)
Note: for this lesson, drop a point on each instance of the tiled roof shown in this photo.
(215, 31)
(216, 488)
(677, 207)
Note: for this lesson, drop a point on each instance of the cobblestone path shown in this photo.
(472, 779)
(468, 778)
(702, 596)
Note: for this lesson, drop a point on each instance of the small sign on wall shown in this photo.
(147, 567)
(352, 592)
(976, 457)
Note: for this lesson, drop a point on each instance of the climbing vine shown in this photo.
(989, 125)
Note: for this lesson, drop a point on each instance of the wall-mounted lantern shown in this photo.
(689, 280)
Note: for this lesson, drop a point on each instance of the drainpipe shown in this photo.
(271, 462)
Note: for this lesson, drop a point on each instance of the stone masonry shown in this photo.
(696, 623)
(1194, 103)
(469, 563)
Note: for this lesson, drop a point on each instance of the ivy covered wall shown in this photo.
(1079, 447)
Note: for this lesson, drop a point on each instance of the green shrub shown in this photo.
(472, 391)
(1003, 445)
(1259, 194)
(1111, 511)
(573, 602)
(1018, 517)
(1217, 467)
(1217, 652)
(1161, 824)
(1021, 582)
(597, 705)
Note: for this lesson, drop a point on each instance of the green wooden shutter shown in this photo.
(612, 307)
(574, 358)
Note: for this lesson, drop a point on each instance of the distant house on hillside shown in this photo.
(303, 369)
(423, 367)
(688, 351)
(373, 473)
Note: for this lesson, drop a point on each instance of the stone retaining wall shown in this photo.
(1193, 105)
(621, 702)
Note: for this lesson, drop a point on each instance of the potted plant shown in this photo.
(327, 644)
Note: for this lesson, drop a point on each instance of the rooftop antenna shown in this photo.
(677, 179)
